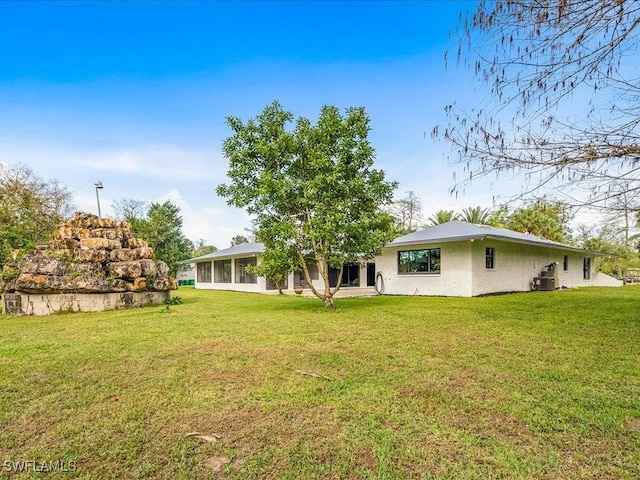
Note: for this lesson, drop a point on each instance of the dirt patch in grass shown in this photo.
(632, 424)
(216, 464)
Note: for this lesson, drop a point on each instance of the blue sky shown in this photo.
(135, 94)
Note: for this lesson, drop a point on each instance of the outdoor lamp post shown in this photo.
(98, 187)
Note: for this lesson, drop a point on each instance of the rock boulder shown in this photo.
(88, 254)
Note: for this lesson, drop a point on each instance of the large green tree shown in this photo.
(276, 265)
(542, 218)
(312, 188)
(30, 210)
(161, 227)
(562, 97)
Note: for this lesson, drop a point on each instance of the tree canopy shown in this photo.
(30, 210)
(442, 216)
(312, 188)
(563, 97)
(200, 248)
(477, 215)
(161, 227)
(545, 219)
(539, 217)
(238, 239)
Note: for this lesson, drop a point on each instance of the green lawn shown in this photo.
(535, 385)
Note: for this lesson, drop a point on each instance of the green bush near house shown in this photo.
(534, 385)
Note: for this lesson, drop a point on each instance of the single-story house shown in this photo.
(465, 260)
(227, 270)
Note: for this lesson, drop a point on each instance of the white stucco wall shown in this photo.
(516, 265)
(463, 269)
(454, 279)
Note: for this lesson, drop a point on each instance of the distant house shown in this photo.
(227, 270)
(462, 259)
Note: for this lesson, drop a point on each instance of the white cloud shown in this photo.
(215, 222)
(157, 162)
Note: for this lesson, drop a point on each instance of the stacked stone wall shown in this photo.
(89, 255)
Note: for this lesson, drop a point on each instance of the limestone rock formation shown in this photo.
(89, 255)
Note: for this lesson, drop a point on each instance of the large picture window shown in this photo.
(419, 261)
(242, 276)
(203, 272)
(222, 271)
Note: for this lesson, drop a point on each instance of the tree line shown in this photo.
(617, 233)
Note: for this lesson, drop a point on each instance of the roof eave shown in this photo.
(463, 238)
(436, 240)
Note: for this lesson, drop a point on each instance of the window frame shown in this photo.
(219, 274)
(586, 268)
(490, 258)
(242, 276)
(203, 274)
(433, 261)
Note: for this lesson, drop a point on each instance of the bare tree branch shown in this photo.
(564, 91)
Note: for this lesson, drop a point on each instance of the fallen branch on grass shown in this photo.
(207, 438)
(312, 375)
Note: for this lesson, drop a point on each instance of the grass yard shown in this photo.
(536, 385)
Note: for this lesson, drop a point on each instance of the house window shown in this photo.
(565, 262)
(222, 271)
(489, 256)
(242, 276)
(203, 272)
(586, 268)
(419, 261)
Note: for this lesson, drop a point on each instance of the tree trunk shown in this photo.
(323, 271)
(328, 303)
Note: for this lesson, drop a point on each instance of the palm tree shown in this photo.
(477, 215)
(442, 216)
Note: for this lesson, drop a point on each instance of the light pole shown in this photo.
(98, 187)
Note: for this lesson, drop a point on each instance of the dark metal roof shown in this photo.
(457, 231)
(235, 251)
